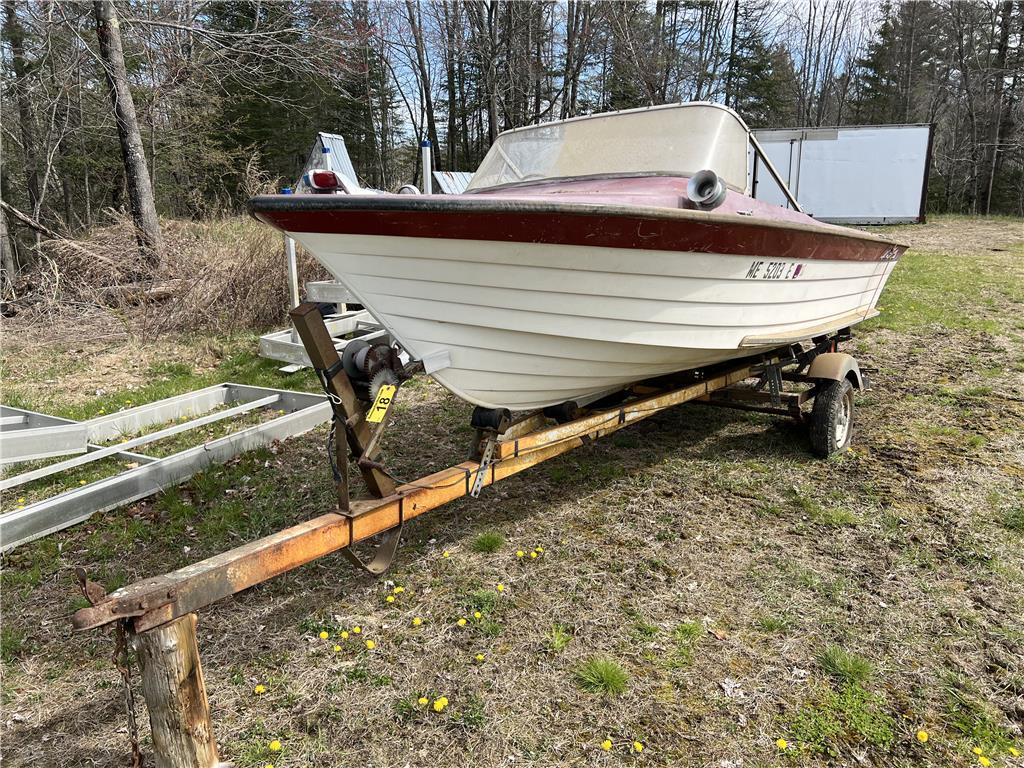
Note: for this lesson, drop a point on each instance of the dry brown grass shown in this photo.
(217, 277)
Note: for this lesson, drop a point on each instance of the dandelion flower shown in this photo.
(977, 750)
(922, 736)
(440, 704)
(274, 746)
(269, 765)
(1014, 751)
(606, 745)
(520, 553)
(781, 744)
(370, 645)
(399, 590)
(390, 598)
(423, 701)
(533, 555)
(261, 688)
(344, 635)
(638, 747)
(337, 648)
(461, 622)
(356, 630)
(982, 760)
(417, 621)
(446, 553)
(500, 587)
(324, 635)
(477, 615)
(81, 482)
(479, 657)
(21, 500)
(539, 550)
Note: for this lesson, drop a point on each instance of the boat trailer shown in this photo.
(158, 615)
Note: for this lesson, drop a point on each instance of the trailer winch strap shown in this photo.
(386, 550)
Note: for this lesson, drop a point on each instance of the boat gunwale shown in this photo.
(493, 204)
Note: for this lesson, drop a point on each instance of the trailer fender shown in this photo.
(836, 366)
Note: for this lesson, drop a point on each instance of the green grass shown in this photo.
(1013, 519)
(686, 637)
(488, 542)
(974, 719)
(602, 675)
(947, 289)
(849, 715)
(774, 624)
(558, 637)
(843, 666)
(13, 643)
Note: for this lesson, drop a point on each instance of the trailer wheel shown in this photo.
(832, 417)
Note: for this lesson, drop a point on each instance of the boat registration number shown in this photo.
(385, 395)
(774, 270)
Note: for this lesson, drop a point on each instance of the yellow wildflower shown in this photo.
(440, 704)
(533, 555)
(638, 747)
(479, 657)
(539, 550)
(21, 500)
(356, 630)
(781, 744)
(606, 745)
(390, 598)
(324, 635)
(984, 761)
(423, 701)
(1014, 751)
(269, 765)
(259, 689)
(922, 736)
(500, 587)
(370, 645)
(520, 553)
(477, 615)
(274, 746)
(977, 750)
(337, 648)
(446, 553)
(344, 635)
(461, 622)
(81, 482)
(417, 621)
(399, 590)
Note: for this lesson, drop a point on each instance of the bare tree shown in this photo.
(140, 190)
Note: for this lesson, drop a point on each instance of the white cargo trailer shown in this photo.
(872, 174)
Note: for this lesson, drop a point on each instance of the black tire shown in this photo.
(832, 418)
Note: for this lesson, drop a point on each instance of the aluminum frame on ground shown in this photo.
(302, 411)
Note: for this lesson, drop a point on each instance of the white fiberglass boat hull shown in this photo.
(528, 325)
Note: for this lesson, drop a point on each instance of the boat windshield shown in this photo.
(676, 140)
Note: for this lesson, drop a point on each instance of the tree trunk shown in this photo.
(424, 78)
(14, 33)
(140, 191)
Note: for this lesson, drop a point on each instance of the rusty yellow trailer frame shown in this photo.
(160, 599)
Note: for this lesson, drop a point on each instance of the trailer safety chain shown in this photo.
(123, 665)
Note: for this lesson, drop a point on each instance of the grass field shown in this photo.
(702, 588)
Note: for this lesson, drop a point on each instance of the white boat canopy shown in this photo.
(674, 139)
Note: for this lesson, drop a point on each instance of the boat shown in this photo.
(591, 253)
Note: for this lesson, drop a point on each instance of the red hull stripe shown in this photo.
(563, 228)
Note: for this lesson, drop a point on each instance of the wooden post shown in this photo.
(172, 683)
